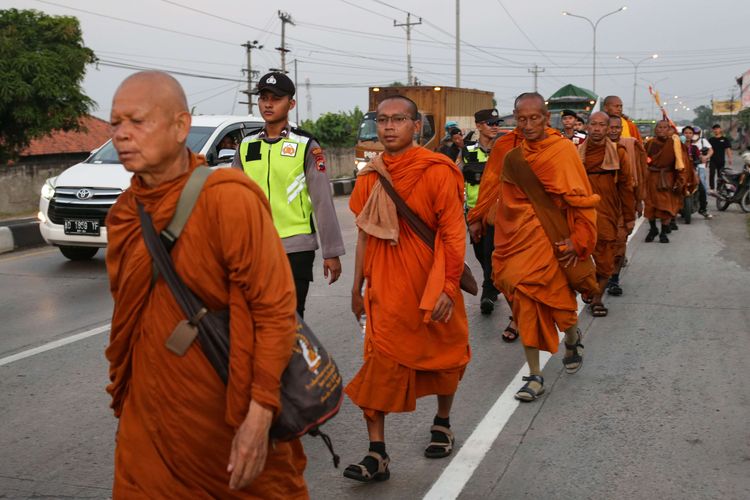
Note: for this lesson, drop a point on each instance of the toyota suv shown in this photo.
(74, 205)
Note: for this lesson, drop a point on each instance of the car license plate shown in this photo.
(82, 226)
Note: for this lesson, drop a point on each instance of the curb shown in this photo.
(21, 234)
(343, 187)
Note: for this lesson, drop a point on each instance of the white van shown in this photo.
(74, 205)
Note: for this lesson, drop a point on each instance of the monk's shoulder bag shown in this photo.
(517, 171)
(467, 283)
(311, 385)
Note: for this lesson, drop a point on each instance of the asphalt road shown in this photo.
(660, 409)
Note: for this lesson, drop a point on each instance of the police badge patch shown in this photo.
(320, 160)
(289, 149)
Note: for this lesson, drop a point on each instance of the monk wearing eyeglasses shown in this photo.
(416, 336)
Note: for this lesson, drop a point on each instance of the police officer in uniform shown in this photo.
(473, 159)
(289, 166)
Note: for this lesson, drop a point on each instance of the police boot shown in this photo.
(652, 232)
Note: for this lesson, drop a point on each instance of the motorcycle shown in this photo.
(735, 187)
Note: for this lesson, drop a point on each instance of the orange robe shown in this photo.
(525, 267)
(637, 160)
(489, 186)
(615, 190)
(406, 356)
(662, 180)
(631, 128)
(176, 417)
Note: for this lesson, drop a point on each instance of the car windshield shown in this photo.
(368, 129)
(195, 141)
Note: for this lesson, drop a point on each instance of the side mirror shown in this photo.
(226, 156)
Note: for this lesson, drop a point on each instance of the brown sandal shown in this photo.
(359, 471)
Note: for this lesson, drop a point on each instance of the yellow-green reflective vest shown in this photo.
(474, 159)
(279, 170)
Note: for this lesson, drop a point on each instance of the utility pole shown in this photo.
(285, 19)
(536, 70)
(309, 99)
(249, 46)
(408, 24)
(296, 108)
(458, 44)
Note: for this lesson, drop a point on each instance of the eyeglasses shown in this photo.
(395, 119)
(493, 123)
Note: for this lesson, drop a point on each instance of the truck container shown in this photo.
(436, 105)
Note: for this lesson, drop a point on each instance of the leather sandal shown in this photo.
(599, 310)
(574, 362)
(442, 448)
(359, 472)
(526, 394)
(510, 330)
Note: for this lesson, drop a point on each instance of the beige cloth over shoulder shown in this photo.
(611, 159)
(379, 217)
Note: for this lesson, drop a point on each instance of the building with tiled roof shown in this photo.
(95, 132)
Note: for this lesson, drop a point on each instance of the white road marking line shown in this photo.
(55, 344)
(452, 481)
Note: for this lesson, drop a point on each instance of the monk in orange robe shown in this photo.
(612, 105)
(481, 218)
(416, 335)
(637, 160)
(527, 265)
(663, 179)
(182, 433)
(608, 168)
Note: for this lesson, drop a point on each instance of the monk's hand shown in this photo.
(443, 309)
(358, 304)
(332, 267)
(475, 231)
(566, 253)
(249, 447)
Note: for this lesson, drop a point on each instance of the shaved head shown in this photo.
(612, 105)
(411, 105)
(598, 127)
(599, 115)
(162, 88)
(531, 96)
(150, 125)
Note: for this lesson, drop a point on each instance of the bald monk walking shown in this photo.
(182, 433)
(527, 264)
(608, 168)
(481, 218)
(637, 160)
(417, 335)
(612, 105)
(662, 180)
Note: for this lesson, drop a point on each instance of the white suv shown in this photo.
(74, 205)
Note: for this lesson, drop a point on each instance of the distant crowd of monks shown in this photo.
(543, 209)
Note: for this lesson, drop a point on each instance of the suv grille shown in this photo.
(67, 205)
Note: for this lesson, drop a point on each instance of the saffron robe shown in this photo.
(406, 355)
(525, 266)
(177, 419)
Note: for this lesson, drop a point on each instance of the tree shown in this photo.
(42, 63)
(336, 129)
(704, 117)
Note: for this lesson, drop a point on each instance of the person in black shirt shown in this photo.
(722, 147)
(452, 148)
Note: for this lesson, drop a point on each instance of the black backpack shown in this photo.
(311, 386)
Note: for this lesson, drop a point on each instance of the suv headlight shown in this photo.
(48, 190)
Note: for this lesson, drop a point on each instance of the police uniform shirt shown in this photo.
(319, 188)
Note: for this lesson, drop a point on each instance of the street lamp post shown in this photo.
(635, 76)
(594, 26)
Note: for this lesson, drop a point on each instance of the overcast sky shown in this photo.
(344, 46)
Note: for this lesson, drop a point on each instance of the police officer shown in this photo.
(473, 159)
(289, 166)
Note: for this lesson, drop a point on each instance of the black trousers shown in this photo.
(702, 200)
(714, 171)
(483, 252)
(302, 272)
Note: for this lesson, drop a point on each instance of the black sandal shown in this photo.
(526, 394)
(359, 472)
(574, 362)
(599, 310)
(509, 329)
(443, 445)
